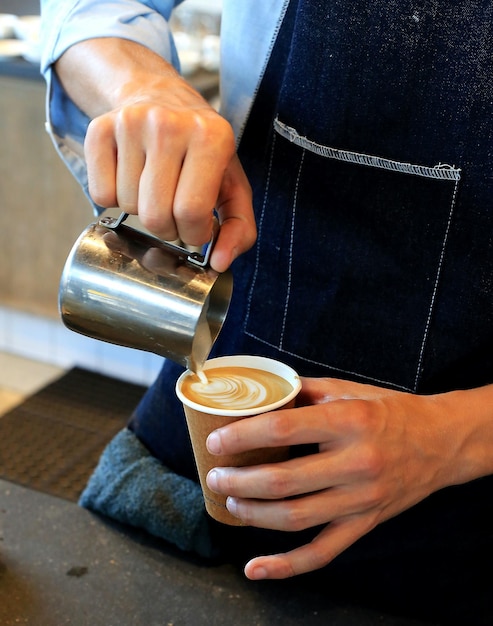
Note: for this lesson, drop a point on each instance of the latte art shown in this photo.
(236, 388)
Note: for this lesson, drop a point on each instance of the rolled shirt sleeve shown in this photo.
(67, 22)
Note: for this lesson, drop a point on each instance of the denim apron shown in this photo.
(370, 151)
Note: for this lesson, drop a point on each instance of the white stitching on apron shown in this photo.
(259, 228)
(291, 242)
(435, 287)
(440, 171)
(332, 367)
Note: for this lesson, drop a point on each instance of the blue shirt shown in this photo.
(248, 32)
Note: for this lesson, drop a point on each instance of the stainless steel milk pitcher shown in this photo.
(126, 287)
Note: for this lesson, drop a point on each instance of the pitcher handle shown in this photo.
(113, 223)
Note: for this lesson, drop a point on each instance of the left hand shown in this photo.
(380, 452)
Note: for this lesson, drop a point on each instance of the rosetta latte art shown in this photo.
(236, 388)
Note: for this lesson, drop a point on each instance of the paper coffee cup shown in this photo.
(202, 420)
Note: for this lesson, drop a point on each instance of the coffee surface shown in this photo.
(236, 388)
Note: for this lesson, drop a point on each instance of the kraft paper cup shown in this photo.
(202, 420)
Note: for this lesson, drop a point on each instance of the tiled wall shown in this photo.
(47, 340)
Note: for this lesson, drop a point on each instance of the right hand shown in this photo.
(164, 154)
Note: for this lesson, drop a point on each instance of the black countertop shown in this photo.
(60, 564)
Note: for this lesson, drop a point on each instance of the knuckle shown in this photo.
(163, 123)
(157, 222)
(226, 133)
(207, 127)
(250, 238)
(373, 496)
(370, 461)
(360, 416)
(296, 517)
(213, 126)
(278, 483)
(191, 210)
(98, 129)
(152, 222)
(216, 138)
(280, 428)
(156, 124)
(128, 118)
(364, 420)
(320, 555)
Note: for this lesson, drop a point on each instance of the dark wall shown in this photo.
(20, 7)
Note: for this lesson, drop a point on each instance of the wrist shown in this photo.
(465, 431)
(102, 74)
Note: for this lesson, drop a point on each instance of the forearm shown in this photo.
(101, 74)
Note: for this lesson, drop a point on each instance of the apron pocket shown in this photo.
(348, 268)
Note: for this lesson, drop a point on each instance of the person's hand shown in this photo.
(155, 148)
(380, 452)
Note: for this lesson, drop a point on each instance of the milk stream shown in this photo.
(201, 346)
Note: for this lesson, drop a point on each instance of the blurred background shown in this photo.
(43, 210)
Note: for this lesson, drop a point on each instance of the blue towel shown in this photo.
(131, 486)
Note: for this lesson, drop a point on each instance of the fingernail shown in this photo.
(212, 477)
(214, 443)
(232, 505)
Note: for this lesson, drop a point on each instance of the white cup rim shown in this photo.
(244, 360)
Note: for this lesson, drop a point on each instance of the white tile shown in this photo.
(71, 349)
(152, 366)
(121, 362)
(31, 336)
(49, 341)
(128, 364)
